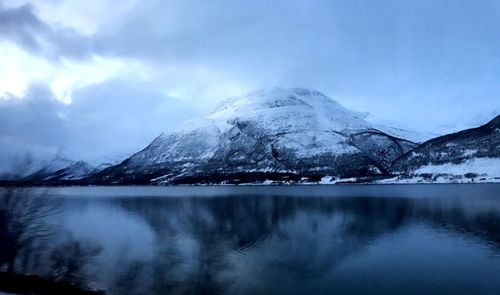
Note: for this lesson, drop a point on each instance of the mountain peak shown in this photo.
(495, 122)
(275, 97)
(289, 106)
(279, 91)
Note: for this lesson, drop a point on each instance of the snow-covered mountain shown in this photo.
(275, 134)
(74, 171)
(468, 155)
(59, 168)
(35, 170)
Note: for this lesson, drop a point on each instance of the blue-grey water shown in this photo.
(387, 239)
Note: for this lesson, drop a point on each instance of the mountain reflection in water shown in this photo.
(278, 244)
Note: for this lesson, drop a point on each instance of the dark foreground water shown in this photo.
(408, 239)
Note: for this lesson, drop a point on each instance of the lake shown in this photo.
(353, 239)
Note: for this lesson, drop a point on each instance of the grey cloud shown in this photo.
(22, 26)
(383, 51)
(104, 121)
(374, 53)
(30, 126)
(121, 116)
(21, 117)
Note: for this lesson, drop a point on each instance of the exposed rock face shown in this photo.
(380, 147)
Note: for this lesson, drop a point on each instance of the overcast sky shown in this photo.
(90, 78)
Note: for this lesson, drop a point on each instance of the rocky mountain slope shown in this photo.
(39, 170)
(278, 134)
(74, 171)
(472, 153)
(58, 169)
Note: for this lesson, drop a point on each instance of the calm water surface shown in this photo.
(408, 239)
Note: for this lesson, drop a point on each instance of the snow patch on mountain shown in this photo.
(481, 166)
(474, 170)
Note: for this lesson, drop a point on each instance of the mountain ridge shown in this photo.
(457, 148)
(281, 135)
